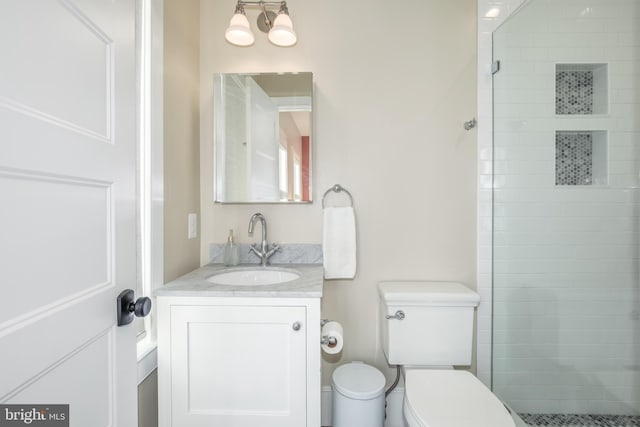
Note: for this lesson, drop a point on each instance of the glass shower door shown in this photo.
(566, 327)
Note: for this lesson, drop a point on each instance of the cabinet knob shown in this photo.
(296, 326)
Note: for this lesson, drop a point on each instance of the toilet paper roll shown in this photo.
(332, 330)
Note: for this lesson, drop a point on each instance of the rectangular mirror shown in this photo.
(262, 137)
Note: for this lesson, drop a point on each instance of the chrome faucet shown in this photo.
(264, 253)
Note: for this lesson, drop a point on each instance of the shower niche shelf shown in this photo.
(581, 158)
(581, 89)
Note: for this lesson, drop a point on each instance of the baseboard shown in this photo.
(325, 408)
(394, 407)
(147, 361)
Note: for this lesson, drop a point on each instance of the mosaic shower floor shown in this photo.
(573, 420)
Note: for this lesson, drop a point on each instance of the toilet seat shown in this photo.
(450, 398)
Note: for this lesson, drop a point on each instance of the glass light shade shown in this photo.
(239, 33)
(282, 34)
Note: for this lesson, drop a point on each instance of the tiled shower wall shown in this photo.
(566, 302)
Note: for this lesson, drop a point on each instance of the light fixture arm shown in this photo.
(240, 8)
(284, 8)
(266, 18)
(262, 4)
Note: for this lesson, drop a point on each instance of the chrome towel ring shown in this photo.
(336, 189)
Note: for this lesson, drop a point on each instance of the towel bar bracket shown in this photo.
(337, 188)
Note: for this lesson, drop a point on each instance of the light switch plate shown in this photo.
(192, 231)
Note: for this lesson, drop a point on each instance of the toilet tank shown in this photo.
(437, 328)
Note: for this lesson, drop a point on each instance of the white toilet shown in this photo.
(427, 328)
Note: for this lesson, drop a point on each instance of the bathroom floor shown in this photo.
(574, 420)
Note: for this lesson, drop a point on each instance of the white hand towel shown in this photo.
(339, 243)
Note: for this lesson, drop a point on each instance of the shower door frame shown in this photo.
(487, 24)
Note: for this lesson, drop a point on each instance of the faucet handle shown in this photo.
(274, 248)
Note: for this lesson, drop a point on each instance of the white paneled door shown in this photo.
(68, 206)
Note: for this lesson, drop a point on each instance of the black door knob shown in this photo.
(141, 308)
(128, 308)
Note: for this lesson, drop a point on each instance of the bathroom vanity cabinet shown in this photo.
(248, 357)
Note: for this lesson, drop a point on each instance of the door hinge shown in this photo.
(495, 67)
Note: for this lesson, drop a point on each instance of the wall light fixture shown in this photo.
(278, 26)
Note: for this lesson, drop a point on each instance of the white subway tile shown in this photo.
(629, 38)
(577, 54)
(564, 257)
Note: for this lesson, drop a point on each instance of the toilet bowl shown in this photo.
(427, 328)
(450, 398)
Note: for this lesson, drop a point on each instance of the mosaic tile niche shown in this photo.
(574, 92)
(581, 157)
(581, 89)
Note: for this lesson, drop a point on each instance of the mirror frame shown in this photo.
(309, 107)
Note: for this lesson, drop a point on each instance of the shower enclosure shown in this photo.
(566, 212)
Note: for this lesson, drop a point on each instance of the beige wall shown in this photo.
(181, 134)
(148, 401)
(181, 159)
(393, 86)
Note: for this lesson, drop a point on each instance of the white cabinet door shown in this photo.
(217, 380)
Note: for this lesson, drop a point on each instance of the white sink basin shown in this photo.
(253, 277)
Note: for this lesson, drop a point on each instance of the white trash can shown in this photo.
(358, 396)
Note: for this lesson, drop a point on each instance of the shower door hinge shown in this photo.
(495, 67)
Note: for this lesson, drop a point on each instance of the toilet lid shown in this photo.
(450, 398)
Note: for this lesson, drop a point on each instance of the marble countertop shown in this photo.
(195, 283)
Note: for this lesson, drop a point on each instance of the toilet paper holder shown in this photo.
(330, 341)
(325, 339)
